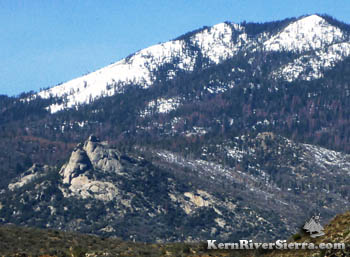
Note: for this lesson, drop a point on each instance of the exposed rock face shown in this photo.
(85, 188)
(189, 201)
(101, 157)
(30, 175)
(85, 164)
(78, 163)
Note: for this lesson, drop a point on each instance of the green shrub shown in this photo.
(296, 236)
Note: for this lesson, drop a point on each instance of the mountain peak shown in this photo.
(197, 50)
(313, 18)
(307, 33)
(311, 23)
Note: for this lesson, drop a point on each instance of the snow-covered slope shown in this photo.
(214, 43)
(319, 44)
(311, 66)
(111, 79)
(309, 33)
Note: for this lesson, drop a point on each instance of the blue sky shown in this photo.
(46, 42)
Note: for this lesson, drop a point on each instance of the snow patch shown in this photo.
(161, 105)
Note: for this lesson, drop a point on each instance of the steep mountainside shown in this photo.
(164, 196)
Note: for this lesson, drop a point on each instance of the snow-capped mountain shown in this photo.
(214, 43)
(212, 126)
(317, 44)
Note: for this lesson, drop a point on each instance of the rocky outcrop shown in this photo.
(85, 188)
(101, 156)
(87, 161)
(156, 195)
(78, 163)
(33, 173)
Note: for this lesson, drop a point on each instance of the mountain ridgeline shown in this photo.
(196, 137)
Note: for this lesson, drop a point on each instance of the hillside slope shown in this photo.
(16, 241)
(156, 195)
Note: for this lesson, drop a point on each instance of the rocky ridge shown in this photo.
(223, 193)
